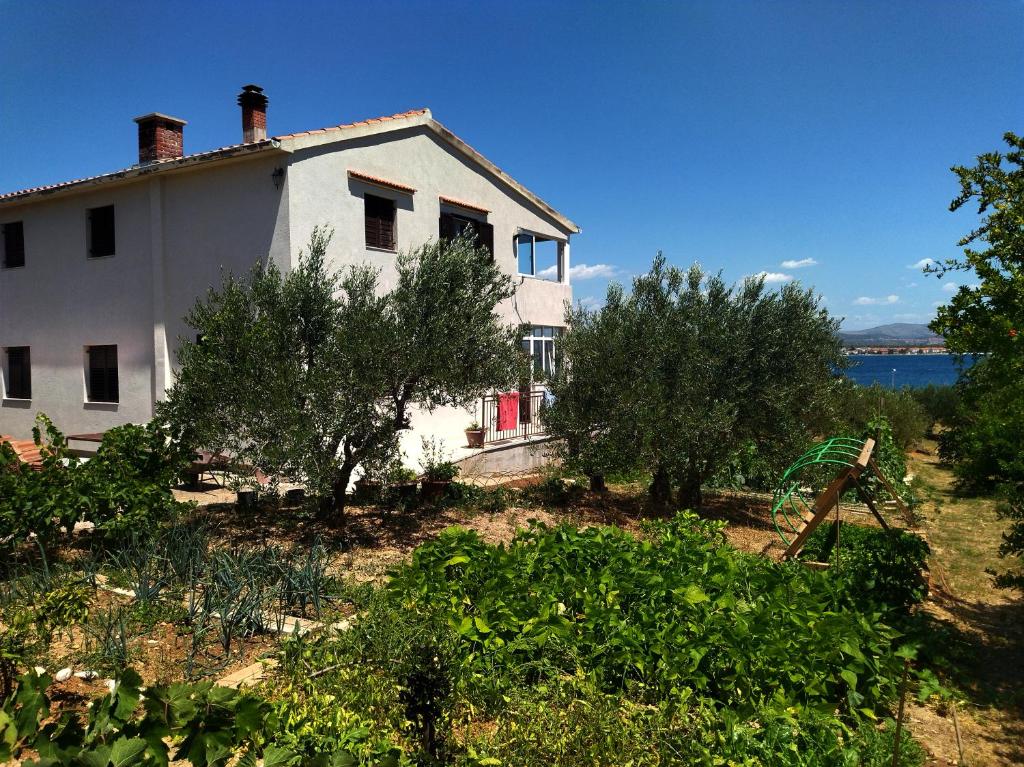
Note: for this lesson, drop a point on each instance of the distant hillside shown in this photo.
(896, 334)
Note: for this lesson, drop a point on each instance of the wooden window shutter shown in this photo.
(380, 222)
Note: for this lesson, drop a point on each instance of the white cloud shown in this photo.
(589, 302)
(951, 287)
(923, 263)
(793, 264)
(912, 317)
(911, 284)
(551, 273)
(592, 271)
(867, 301)
(774, 276)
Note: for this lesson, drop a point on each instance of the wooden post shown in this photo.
(899, 715)
(956, 729)
(866, 497)
(892, 491)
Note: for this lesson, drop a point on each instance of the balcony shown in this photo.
(525, 423)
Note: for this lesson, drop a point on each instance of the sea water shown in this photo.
(899, 370)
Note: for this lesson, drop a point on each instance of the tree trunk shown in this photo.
(339, 490)
(690, 496)
(660, 489)
(597, 484)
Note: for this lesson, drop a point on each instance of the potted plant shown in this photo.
(438, 472)
(403, 481)
(475, 435)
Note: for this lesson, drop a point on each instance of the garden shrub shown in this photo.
(125, 489)
(683, 610)
(858, 406)
(875, 567)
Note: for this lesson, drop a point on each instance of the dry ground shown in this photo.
(982, 626)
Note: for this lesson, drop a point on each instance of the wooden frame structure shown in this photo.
(855, 459)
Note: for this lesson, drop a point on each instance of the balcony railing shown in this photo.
(526, 424)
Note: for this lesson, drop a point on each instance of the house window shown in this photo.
(101, 231)
(18, 378)
(453, 225)
(539, 256)
(102, 378)
(380, 222)
(540, 345)
(14, 245)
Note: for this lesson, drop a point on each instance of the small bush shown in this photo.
(875, 567)
(858, 406)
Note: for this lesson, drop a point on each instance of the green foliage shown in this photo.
(858, 406)
(125, 489)
(681, 614)
(874, 568)
(939, 402)
(436, 463)
(890, 458)
(986, 315)
(719, 367)
(594, 647)
(310, 374)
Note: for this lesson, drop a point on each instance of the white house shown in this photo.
(96, 274)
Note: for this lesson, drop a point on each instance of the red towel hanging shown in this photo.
(508, 411)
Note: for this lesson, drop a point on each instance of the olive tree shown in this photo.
(682, 372)
(310, 373)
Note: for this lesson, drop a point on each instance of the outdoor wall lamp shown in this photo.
(278, 176)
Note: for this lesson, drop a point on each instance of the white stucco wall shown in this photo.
(62, 301)
(178, 232)
(174, 234)
(321, 193)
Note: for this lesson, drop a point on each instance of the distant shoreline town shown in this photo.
(895, 350)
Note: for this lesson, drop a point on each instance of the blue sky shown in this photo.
(747, 136)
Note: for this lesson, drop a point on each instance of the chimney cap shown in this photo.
(160, 116)
(253, 96)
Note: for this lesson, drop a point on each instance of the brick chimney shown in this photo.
(254, 114)
(160, 137)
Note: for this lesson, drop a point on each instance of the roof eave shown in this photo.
(479, 159)
(136, 172)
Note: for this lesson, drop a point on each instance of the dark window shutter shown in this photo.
(103, 385)
(14, 244)
(525, 410)
(101, 232)
(19, 373)
(446, 227)
(380, 222)
(485, 236)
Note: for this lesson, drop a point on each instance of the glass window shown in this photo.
(539, 344)
(524, 253)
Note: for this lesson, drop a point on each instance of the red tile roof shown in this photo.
(28, 452)
(138, 170)
(380, 181)
(461, 204)
(361, 123)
